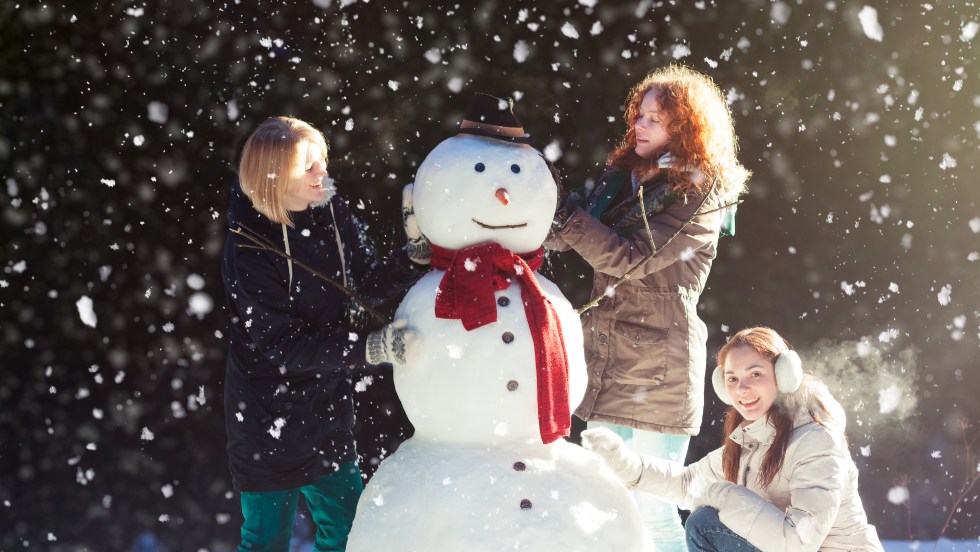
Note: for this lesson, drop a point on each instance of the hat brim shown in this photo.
(477, 131)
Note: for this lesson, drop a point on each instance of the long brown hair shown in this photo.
(702, 135)
(781, 415)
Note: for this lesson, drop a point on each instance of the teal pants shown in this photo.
(331, 499)
(660, 518)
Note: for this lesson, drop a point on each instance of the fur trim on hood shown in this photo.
(809, 398)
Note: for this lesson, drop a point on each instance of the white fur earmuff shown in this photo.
(789, 372)
(789, 376)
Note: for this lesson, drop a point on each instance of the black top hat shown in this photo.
(493, 117)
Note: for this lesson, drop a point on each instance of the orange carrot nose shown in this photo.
(502, 196)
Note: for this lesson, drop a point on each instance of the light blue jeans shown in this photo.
(662, 522)
(706, 533)
(331, 499)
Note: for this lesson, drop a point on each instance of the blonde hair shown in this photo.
(268, 156)
(699, 123)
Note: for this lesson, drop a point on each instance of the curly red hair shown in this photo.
(702, 135)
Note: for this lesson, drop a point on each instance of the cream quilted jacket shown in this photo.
(812, 504)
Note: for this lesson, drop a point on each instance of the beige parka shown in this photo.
(645, 346)
(811, 505)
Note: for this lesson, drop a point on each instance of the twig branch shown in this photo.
(972, 476)
(646, 223)
(264, 244)
(722, 208)
(654, 251)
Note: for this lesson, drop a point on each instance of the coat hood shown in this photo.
(241, 210)
(814, 394)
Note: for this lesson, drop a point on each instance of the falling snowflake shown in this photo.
(779, 13)
(433, 55)
(948, 162)
(157, 112)
(521, 51)
(889, 399)
(680, 51)
(969, 31)
(553, 152)
(454, 351)
(200, 304)
(86, 311)
(945, 295)
(569, 30)
(276, 429)
(362, 384)
(898, 495)
(869, 23)
(975, 225)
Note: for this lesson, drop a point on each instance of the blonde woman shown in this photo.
(288, 395)
(783, 480)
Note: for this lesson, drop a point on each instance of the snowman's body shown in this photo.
(479, 386)
(476, 475)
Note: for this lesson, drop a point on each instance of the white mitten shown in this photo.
(713, 494)
(395, 343)
(625, 462)
(417, 247)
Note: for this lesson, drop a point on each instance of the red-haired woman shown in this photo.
(645, 345)
(783, 480)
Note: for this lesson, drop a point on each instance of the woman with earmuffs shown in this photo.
(783, 480)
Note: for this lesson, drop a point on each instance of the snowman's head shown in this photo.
(471, 190)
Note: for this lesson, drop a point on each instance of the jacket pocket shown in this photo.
(640, 335)
(641, 353)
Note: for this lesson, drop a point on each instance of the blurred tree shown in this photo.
(121, 124)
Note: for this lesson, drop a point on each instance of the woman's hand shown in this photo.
(395, 343)
(417, 247)
(713, 494)
(611, 448)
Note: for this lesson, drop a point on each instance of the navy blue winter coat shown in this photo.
(288, 395)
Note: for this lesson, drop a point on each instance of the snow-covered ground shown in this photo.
(943, 545)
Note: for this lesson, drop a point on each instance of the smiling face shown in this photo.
(750, 380)
(305, 177)
(472, 190)
(650, 126)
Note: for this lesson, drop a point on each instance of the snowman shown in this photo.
(499, 359)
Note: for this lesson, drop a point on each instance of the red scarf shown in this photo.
(466, 292)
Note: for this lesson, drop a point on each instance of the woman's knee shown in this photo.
(701, 519)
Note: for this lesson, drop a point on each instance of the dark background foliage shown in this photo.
(120, 122)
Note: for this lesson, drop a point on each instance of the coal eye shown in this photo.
(515, 168)
(480, 167)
